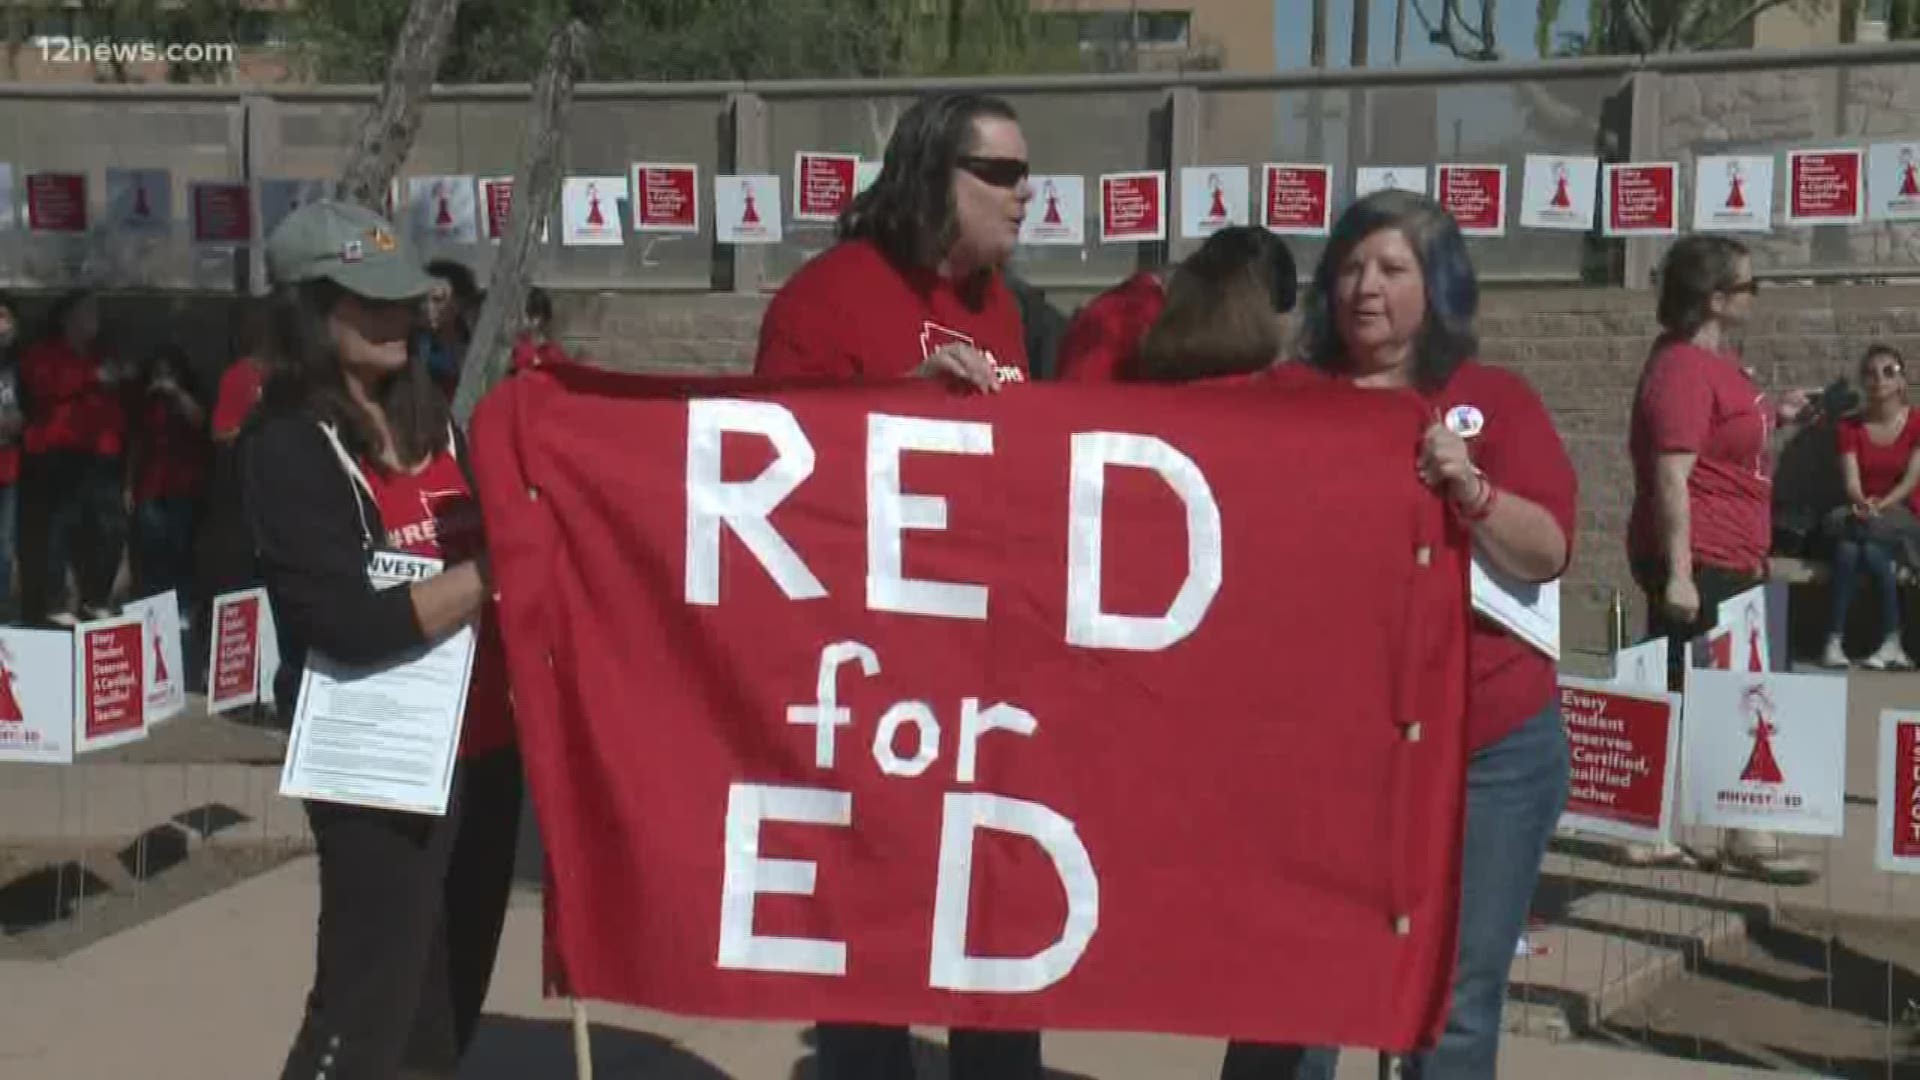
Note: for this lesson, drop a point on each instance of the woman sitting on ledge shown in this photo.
(1880, 464)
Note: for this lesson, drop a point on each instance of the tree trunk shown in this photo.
(536, 183)
(386, 135)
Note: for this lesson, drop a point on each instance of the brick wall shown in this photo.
(1581, 348)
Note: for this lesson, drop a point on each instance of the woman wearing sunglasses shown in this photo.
(1701, 442)
(351, 454)
(1877, 529)
(915, 285)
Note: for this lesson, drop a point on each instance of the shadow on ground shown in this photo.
(516, 1048)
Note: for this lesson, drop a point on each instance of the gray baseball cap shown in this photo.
(349, 245)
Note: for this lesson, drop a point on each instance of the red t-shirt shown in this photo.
(174, 456)
(1882, 467)
(1521, 454)
(240, 388)
(433, 514)
(527, 353)
(1693, 401)
(1102, 342)
(71, 409)
(851, 314)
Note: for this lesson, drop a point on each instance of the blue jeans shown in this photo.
(1516, 789)
(86, 526)
(1848, 556)
(165, 529)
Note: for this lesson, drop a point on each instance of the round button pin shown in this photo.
(1465, 421)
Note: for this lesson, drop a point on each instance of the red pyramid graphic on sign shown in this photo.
(1720, 652)
(140, 208)
(1052, 215)
(9, 704)
(750, 215)
(1755, 662)
(1736, 192)
(1762, 768)
(444, 216)
(160, 677)
(593, 207)
(1562, 198)
(1218, 210)
(1909, 183)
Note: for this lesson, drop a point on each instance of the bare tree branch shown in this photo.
(535, 184)
(386, 135)
(1704, 40)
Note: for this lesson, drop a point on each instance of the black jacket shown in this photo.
(305, 516)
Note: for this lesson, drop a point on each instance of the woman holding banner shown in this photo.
(1392, 308)
(1701, 524)
(351, 457)
(916, 287)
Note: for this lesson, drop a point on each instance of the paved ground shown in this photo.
(211, 991)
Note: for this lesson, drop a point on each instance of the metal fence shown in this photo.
(1652, 108)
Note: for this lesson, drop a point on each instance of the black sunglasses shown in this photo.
(1001, 172)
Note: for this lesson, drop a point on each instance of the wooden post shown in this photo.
(535, 184)
(582, 1041)
(386, 135)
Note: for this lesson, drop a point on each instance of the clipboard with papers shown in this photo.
(1530, 610)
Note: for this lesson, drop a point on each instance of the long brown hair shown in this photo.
(304, 373)
(1222, 312)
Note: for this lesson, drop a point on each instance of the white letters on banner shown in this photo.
(1898, 850)
(1765, 750)
(744, 508)
(748, 875)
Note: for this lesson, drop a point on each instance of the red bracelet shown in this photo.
(1482, 506)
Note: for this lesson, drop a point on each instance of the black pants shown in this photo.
(86, 523)
(1715, 584)
(411, 908)
(871, 1052)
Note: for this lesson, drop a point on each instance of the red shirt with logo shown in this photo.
(174, 455)
(71, 408)
(1102, 342)
(240, 388)
(851, 314)
(1882, 467)
(1694, 401)
(1521, 454)
(433, 513)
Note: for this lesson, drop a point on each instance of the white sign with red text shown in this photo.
(1642, 199)
(823, 184)
(160, 632)
(746, 209)
(1733, 193)
(36, 696)
(1057, 213)
(1559, 191)
(1212, 198)
(1476, 196)
(1826, 187)
(1625, 749)
(1765, 750)
(666, 197)
(109, 684)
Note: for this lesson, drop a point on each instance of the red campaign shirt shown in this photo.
(433, 514)
(70, 408)
(174, 456)
(1882, 467)
(1521, 453)
(240, 388)
(1102, 342)
(851, 314)
(1693, 401)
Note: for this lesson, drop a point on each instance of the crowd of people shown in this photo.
(336, 433)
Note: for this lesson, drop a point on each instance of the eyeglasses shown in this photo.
(1749, 286)
(1001, 172)
(1885, 371)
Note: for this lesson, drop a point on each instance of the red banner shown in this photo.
(235, 677)
(111, 695)
(1625, 744)
(1116, 708)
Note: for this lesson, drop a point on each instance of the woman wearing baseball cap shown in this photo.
(351, 453)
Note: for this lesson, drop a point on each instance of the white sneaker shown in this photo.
(64, 619)
(1835, 656)
(1889, 657)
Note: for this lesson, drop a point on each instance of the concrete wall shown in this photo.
(1581, 348)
